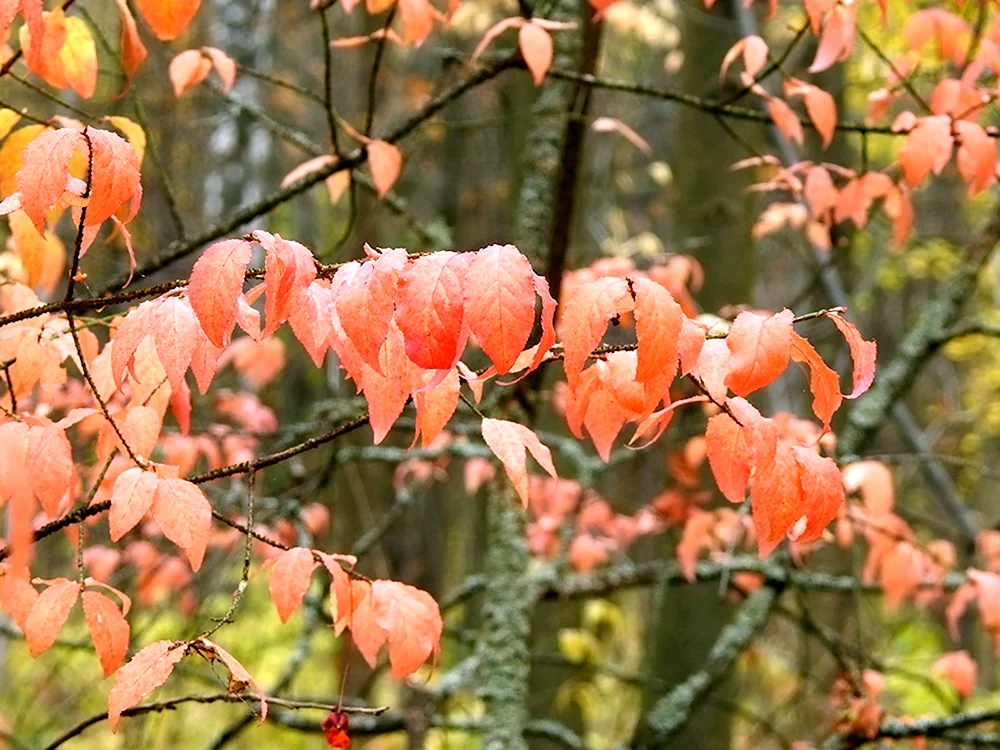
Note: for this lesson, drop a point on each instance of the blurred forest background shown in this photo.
(651, 200)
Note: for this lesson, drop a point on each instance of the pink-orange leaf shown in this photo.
(536, 49)
(658, 320)
(386, 163)
(44, 171)
(430, 309)
(187, 70)
(728, 456)
(500, 303)
(822, 492)
(108, 629)
(585, 318)
(289, 579)
(216, 284)
(412, 620)
(131, 498)
(862, 352)
(759, 347)
(115, 178)
(366, 301)
(823, 382)
(509, 441)
(289, 268)
(49, 614)
(185, 517)
(146, 671)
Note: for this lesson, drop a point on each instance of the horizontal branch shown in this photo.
(244, 467)
(719, 109)
(169, 705)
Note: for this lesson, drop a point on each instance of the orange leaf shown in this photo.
(215, 287)
(145, 672)
(289, 579)
(837, 39)
(168, 18)
(753, 50)
(585, 317)
(108, 629)
(133, 51)
(430, 309)
(822, 492)
(365, 301)
(224, 65)
(759, 349)
(386, 162)
(822, 110)
(785, 119)
(388, 389)
(131, 498)
(729, 456)
(658, 320)
(49, 614)
(187, 70)
(435, 407)
(41, 180)
(823, 382)
(862, 352)
(175, 329)
(307, 168)
(289, 268)
(960, 669)
(927, 149)
(500, 303)
(775, 496)
(412, 620)
(536, 49)
(115, 178)
(509, 441)
(977, 156)
(185, 517)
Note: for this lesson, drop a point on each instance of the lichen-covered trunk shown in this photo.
(544, 215)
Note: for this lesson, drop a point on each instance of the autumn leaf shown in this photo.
(41, 181)
(585, 316)
(215, 287)
(131, 498)
(168, 18)
(108, 629)
(862, 352)
(753, 50)
(365, 302)
(133, 51)
(536, 49)
(509, 441)
(412, 621)
(79, 57)
(500, 303)
(115, 176)
(289, 581)
(185, 517)
(960, 669)
(430, 309)
(729, 456)
(289, 269)
(187, 70)
(49, 614)
(927, 149)
(823, 382)
(145, 672)
(759, 350)
(658, 321)
(386, 163)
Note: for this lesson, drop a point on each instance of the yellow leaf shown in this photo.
(8, 119)
(133, 133)
(79, 58)
(10, 156)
